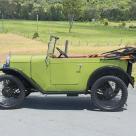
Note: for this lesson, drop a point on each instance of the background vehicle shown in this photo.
(105, 76)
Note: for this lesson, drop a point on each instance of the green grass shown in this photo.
(94, 34)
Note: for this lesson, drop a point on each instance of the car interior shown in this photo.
(64, 54)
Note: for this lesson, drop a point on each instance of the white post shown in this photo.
(37, 22)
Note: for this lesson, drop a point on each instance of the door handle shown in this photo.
(79, 67)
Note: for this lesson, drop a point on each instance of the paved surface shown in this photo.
(65, 116)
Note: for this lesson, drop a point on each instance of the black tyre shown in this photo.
(27, 93)
(73, 95)
(109, 93)
(12, 92)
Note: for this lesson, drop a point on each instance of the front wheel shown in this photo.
(113, 92)
(11, 92)
(27, 93)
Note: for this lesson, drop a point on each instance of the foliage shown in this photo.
(72, 10)
(35, 35)
(123, 24)
(90, 13)
(105, 22)
(132, 26)
(133, 10)
(115, 14)
(80, 10)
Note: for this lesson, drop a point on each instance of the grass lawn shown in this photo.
(83, 34)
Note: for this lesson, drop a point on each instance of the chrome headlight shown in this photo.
(8, 61)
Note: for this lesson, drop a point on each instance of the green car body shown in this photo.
(103, 77)
(62, 74)
(50, 74)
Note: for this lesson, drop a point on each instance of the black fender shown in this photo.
(27, 81)
(113, 71)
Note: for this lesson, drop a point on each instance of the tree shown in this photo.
(55, 12)
(91, 13)
(133, 10)
(115, 14)
(72, 9)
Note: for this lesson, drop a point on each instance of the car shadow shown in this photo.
(59, 103)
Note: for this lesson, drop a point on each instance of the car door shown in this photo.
(64, 71)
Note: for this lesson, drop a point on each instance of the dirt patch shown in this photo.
(14, 44)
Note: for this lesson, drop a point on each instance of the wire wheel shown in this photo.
(109, 93)
(11, 91)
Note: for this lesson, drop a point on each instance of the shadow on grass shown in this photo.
(60, 103)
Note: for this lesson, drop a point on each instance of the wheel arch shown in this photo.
(110, 70)
(28, 83)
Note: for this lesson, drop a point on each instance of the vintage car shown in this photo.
(104, 76)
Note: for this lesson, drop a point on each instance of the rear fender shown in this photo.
(113, 71)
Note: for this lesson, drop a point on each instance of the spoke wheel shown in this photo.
(109, 93)
(11, 92)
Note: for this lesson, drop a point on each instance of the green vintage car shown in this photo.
(106, 77)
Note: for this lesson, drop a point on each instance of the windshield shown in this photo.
(51, 45)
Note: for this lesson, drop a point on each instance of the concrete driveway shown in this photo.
(43, 115)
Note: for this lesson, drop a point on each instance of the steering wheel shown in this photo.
(61, 53)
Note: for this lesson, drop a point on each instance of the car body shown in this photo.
(64, 74)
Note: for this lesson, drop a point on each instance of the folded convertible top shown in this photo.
(126, 53)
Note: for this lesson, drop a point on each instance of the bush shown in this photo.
(35, 35)
(123, 24)
(132, 27)
(106, 22)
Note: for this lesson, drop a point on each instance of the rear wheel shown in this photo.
(109, 93)
(11, 92)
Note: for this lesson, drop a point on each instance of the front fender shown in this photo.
(23, 78)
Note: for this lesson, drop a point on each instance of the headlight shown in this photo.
(7, 60)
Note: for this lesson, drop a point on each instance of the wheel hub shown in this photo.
(108, 93)
(7, 92)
